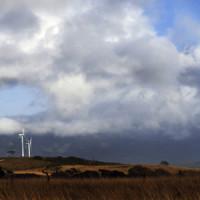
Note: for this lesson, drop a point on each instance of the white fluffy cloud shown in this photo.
(9, 126)
(70, 93)
(101, 65)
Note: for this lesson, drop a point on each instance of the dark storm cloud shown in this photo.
(113, 148)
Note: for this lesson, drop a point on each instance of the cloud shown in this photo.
(9, 126)
(102, 67)
(18, 20)
(69, 93)
(185, 31)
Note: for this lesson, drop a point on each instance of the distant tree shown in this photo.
(11, 152)
(38, 157)
(164, 162)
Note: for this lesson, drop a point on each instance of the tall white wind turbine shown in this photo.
(29, 145)
(21, 135)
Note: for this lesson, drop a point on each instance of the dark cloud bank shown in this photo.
(124, 148)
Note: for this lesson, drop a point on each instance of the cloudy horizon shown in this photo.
(106, 67)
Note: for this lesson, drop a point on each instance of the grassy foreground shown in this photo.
(161, 182)
(185, 188)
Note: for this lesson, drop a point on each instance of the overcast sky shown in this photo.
(72, 67)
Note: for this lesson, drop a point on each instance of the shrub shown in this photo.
(111, 174)
(164, 162)
(161, 172)
(140, 171)
(87, 174)
(66, 174)
(38, 157)
(180, 173)
(2, 172)
(71, 172)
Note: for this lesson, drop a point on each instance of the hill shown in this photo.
(42, 162)
(63, 165)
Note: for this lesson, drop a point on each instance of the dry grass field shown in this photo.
(102, 189)
(183, 186)
(22, 163)
(122, 168)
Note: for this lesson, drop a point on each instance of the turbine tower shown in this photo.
(29, 145)
(22, 141)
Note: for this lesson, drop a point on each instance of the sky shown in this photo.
(89, 68)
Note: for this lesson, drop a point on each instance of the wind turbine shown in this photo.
(29, 145)
(22, 141)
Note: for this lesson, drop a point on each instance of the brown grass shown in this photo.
(26, 165)
(123, 168)
(172, 188)
(22, 163)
